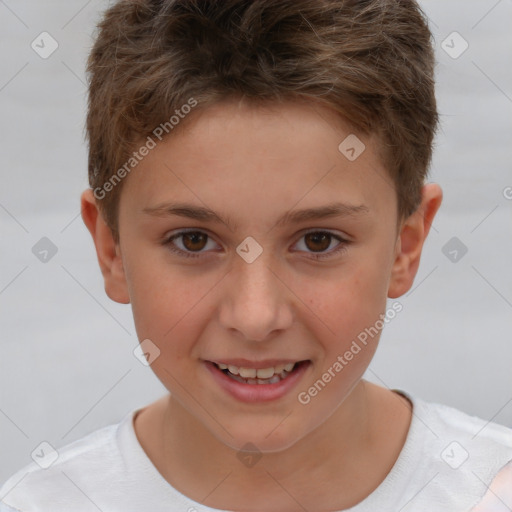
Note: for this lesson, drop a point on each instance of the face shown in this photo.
(264, 279)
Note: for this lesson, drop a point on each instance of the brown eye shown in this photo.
(194, 241)
(191, 244)
(319, 244)
(318, 241)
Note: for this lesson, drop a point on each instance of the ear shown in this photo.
(107, 250)
(412, 235)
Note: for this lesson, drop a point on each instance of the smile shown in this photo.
(269, 375)
(271, 380)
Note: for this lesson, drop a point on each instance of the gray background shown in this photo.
(67, 366)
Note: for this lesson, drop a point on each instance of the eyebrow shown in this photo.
(291, 217)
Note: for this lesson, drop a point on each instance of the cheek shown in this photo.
(349, 302)
(163, 298)
(166, 311)
(351, 307)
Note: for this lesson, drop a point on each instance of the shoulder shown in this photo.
(479, 435)
(67, 469)
(462, 453)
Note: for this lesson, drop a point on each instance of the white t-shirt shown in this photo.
(447, 464)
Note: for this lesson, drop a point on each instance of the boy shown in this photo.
(229, 142)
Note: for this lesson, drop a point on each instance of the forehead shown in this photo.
(264, 159)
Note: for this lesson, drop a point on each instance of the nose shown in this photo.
(256, 303)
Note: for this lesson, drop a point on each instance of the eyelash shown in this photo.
(339, 249)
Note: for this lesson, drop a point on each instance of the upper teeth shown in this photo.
(260, 373)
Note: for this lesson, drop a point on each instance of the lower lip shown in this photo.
(257, 392)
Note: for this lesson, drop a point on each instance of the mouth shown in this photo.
(258, 376)
(252, 382)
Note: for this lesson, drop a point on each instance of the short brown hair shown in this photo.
(371, 61)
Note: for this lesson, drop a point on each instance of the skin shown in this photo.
(253, 164)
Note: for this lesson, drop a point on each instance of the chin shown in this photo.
(265, 438)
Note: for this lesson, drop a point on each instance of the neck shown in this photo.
(363, 436)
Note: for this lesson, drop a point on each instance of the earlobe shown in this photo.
(412, 236)
(107, 250)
